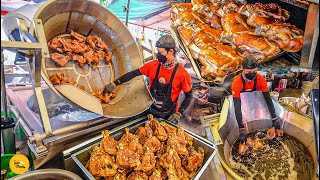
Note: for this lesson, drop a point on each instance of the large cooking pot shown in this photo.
(256, 116)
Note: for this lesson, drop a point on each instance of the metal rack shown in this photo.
(197, 65)
(47, 138)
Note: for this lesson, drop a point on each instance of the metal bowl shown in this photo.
(48, 174)
(87, 17)
(256, 116)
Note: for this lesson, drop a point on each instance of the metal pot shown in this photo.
(48, 174)
(256, 116)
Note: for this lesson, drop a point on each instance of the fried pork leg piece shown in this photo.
(135, 146)
(152, 143)
(60, 59)
(97, 42)
(168, 128)
(126, 138)
(79, 37)
(138, 175)
(55, 44)
(58, 78)
(94, 57)
(103, 98)
(108, 143)
(80, 59)
(127, 159)
(120, 176)
(183, 135)
(142, 132)
(101, 164)
(194, 160)
(160, 132)
(148, 161)
(178, 143)
(171, 158)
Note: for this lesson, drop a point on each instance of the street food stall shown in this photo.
(59, 118)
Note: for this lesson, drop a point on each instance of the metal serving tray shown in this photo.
(81, 157)
(197, 65)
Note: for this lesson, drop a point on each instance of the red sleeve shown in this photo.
(262, 83)
(145, 69)
(236, 87)
(186, 82)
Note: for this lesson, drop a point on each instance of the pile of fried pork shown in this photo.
(89, 50)
(156, 151)
(85, 50)
(220, 33)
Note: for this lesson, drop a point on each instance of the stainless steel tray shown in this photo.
(82, 156)
(197, 65)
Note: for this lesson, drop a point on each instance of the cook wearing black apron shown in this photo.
(249, 74)
(163, 106)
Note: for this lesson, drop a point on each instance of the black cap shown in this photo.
(166, 41)
(250, 62)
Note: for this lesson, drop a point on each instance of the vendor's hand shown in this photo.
(242, 148)
(108, 88)
(175, 117)
(276, 130)
(243, 136)
(276, 123)
(243, 139)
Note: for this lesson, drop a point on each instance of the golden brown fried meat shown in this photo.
(156, 175)
(120, 175)
(152, 143)
(126, 138)
(135, 146)
(142, 132)
(70, 80)
(79, 37)
(153, 122)
(103, 98)
(60, 59)
(127, 159)
(80, 59)
(171, 157)
(168, 128)
(137, 175)
(183, 135)
(160, 132)
(108, 143)
(148, 161)
(97, 42)
(178, 144)
(56, 78)
(55, 44)
(59, 78)
(194, 160)
(101, 164)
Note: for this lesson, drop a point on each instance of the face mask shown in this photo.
(251, 75)
(161, 58)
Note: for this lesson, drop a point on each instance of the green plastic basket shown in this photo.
(5, 159)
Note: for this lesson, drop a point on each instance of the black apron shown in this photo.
(163, 106)
(244, 83)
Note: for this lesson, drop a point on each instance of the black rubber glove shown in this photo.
(243, 136)
(276, 124)
(175, 117)
(109, 88)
